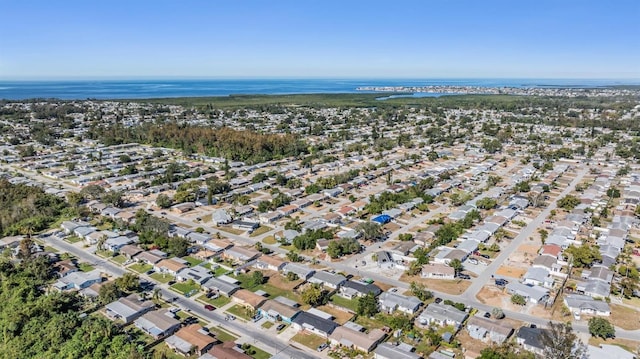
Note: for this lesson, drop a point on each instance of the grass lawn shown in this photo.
(220, 271)
(85, 267)
(221, 301)
(239, 311)
(237, 232)
(120, 259)
(258, 353)
(50, 249)
(185, 287)
(223, 335)
(269, 240)
(73, 239)
(192, 261)
(167, 352)
(624, 317)
(162, 278)
(287, 247)
(308, 340)
(277, 292)
(260, 230)
(368, 322)
(267, 325)
(141, 267)
(206, 218)
(103, 253)
(344, 302)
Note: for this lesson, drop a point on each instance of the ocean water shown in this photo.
(135, 89)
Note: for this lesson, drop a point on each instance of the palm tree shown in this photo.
(157, 294)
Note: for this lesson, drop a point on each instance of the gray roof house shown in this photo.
(442, 315)
(198, 274)
(354, 289)
(78, 280)
(315, 324)
(390, 351)
(391, 302)
(530, 339)
(583, 304)
(327, 279)
(488, 330)
(128, 308)
(220, 216)
(219, 286)
(538, 276)
(158, 323)
(301, 271)
(533, 294)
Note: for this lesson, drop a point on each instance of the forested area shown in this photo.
(34, 324)
(237, 145)
(27, 209)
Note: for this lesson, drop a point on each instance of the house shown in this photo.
(148, 257)
(301, 271)
(358, 340)
(248, 298)
(390, 302)
(327, 279)
(354, 289)
(114, 244)
(441, 315)
(538, 276)
(183, 207)
(552, 250)
(288, 210)
(245, 225)
(65, 267)
(226, 350)
(128, 308)
(488, 330)
(530, 339)
(70, 226)
(274, 310)
(192, 339)
(215, 285)
(220, 216)
(437, 271)
(78, 280)
(199, 238)
(240, 255)
(583, 304)
(269, 217)
(533, 294)
(217, 245)
(158, 323)
(288, 235)
(198, 274)
(130, 251)
(266, 262)
(171, 266)
(390, 351)
(313, 323)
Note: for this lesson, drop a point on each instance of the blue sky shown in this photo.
(308, 38)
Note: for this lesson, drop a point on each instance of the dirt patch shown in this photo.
(340, 316)
(529, 248)
(508, 271)
(281, 282)
(489, 294)
(625, 317)
(391, 227)
(440, 285)
(469, 344)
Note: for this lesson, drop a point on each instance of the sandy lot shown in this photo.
(440, 285)
(509, 271)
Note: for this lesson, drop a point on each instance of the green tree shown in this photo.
(600, 327)
(164, 201)
(256, 279)
(518, 299)
(420, 291)
(368, 305)
(178, 246)
(583, 256)
(568, 202)
(313, 295)
(560, 342)
(457, 266)
(486, 203)
(506, 350)
(370, 231)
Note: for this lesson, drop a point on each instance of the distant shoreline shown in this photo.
(150, 89)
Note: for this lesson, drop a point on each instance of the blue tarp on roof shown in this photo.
(382, 219)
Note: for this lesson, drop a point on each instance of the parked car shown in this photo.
(438, 300)
(209, 307)
(150, 272)
(487, 315)
(280, 327)
(322, 347)
(485, 256)
(256, 318)
(190, 320)
(171, 282)
(464, 276)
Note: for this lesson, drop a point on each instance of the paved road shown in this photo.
(271, 343)
(524, 234)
